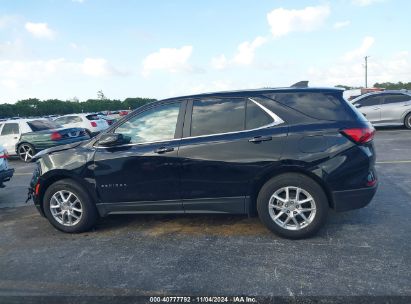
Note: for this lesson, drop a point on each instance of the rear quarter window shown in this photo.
(41, 125)
(322, 106)
(93, 117)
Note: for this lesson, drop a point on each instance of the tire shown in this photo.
(314, 218)
(407, 121)
(53, 204)
(26, 152)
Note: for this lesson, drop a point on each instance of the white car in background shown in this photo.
(92, 123)
(6, 173)
(10, 132)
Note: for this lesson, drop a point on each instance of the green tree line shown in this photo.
(36, 107)
(384, 85)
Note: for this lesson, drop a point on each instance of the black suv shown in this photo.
(286, 154)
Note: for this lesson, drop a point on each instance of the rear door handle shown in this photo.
(377, 108)
(258, 139)
(163, 150)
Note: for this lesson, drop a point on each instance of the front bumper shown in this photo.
(353, 199)
(6, 175)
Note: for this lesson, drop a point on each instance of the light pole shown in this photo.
(366, 71)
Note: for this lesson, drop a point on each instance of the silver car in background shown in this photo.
(386, 108)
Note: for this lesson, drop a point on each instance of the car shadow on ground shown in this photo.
(211, 224)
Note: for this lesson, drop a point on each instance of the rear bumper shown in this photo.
(353, 199)
(6, 175)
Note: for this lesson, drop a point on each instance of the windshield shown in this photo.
(40, 125)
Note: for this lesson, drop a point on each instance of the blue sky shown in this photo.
(162, 48)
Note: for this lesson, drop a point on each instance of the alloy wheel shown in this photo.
(292, 208)
(26, 152)
(66, 208)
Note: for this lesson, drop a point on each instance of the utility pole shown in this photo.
(366, 71)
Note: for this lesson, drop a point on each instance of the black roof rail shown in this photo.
(300, 84)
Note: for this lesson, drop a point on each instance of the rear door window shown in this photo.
(215, 116)
(369, 101)
(395, 98)
(10, 128)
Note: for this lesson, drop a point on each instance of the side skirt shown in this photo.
(229, 205)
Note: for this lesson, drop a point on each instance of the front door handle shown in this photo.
(377, 108)
(258, 139)
(162, 150)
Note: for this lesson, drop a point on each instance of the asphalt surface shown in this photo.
(361, 252)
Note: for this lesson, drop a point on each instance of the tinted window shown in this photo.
(155, 124)
(256, 117)
(61, 120)
(213, 116)
(10, 128)
(369, 101)
(73, 119)
(93, 117)
(324, 106)
(396, 98)
(40, 125)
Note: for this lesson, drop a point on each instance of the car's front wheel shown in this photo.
(292, 206)
(68, 207)
(407, 121)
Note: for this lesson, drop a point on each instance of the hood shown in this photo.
(57, 149)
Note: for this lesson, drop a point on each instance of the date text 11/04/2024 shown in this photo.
(238, 299)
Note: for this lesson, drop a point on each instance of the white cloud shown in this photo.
(244, 56)
(361, 51)
(283, 21)
(15, 74)
(246, 51)
(340, 24)
(99, 67)
(365, 2)
(168, 59)
(39, 30)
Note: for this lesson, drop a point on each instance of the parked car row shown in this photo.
(25, 137)
(386, 108)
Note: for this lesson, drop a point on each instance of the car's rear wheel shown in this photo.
(407, 121)
(68, 207)
(26, 152)
(292, 206)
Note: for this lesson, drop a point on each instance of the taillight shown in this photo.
(360, 135)
(4, 154)
(55, 136)
(93, 124)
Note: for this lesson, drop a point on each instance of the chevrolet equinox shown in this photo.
(284, 154)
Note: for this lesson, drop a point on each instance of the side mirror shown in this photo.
(357, 105)
(113, 139)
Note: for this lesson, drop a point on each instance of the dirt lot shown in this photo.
(362, 252)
